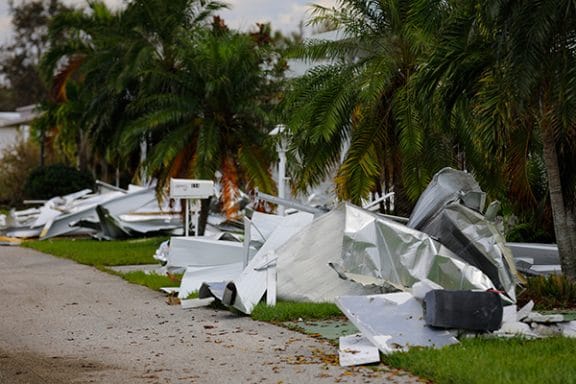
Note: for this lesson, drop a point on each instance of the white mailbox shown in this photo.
(191, 189)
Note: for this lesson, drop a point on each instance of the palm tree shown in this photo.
(363, 97)
(156, 72)
(87, 94)
(511, 67)
(112, 57)
(210, 116)
(144, 42)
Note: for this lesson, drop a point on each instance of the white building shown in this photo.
(15, 126)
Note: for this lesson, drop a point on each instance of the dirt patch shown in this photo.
(30, 368)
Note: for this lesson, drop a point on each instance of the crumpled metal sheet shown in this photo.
(446, 186)
(535, 259)
(162, 252)
(261, 227)
(195, 276)
(202, 252)
(444, 213)
(114, 202)
(357, 350)
(246, 291)
(478, 242)
(538, 254)
(369, 253)
(113, 227)
(380, 252)
(304, 270)
(373, 254)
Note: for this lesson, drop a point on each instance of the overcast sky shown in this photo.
(284, 15)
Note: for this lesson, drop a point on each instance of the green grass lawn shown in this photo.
(294, 311)
(152, 280)
(474, 361)
(493, 361)
(103, 254)
(100, 253)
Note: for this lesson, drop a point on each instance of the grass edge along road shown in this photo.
(474, 361)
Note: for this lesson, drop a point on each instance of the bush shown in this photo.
(529, 232)
(15, 164)
(56, 180)
(549, 292)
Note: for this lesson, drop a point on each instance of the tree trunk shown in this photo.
(203, 219)
(571, 224)
(42, 145)
(564, 218)
(378, 195)
(82, 152)
(402, 204)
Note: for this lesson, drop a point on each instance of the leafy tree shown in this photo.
(16, 163)
(6, 99)
(159, 72)
(20, 58)
(510, 68)
(360, 102)
(151, 44)
(211, 116)
(88, 96)
(101, 61)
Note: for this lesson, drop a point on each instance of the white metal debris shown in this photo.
(202, 252)
(449, 210)
(115, 203)
(196, 275)
(304, 272)
(380, 252)
(392, 322)
(357, 350)
(196, 303)
(247, 290)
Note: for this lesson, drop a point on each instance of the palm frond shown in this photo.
(256, 164)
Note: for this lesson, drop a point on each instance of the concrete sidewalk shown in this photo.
(61, 322)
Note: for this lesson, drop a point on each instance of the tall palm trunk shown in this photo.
(564, 217)
(204, 212)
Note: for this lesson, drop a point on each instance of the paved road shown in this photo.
(61, 322)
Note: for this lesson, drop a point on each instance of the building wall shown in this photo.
(20, 130)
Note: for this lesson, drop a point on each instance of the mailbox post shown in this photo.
(190, 190)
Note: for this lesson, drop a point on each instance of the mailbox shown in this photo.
(191, 189)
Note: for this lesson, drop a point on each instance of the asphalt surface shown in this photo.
(61, 322)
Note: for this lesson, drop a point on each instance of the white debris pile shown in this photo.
(111, 213)
(528, 323)
(446, 271)
(352, 251)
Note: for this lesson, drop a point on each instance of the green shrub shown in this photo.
(56, 180)
(549, 292)
(530, 232)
